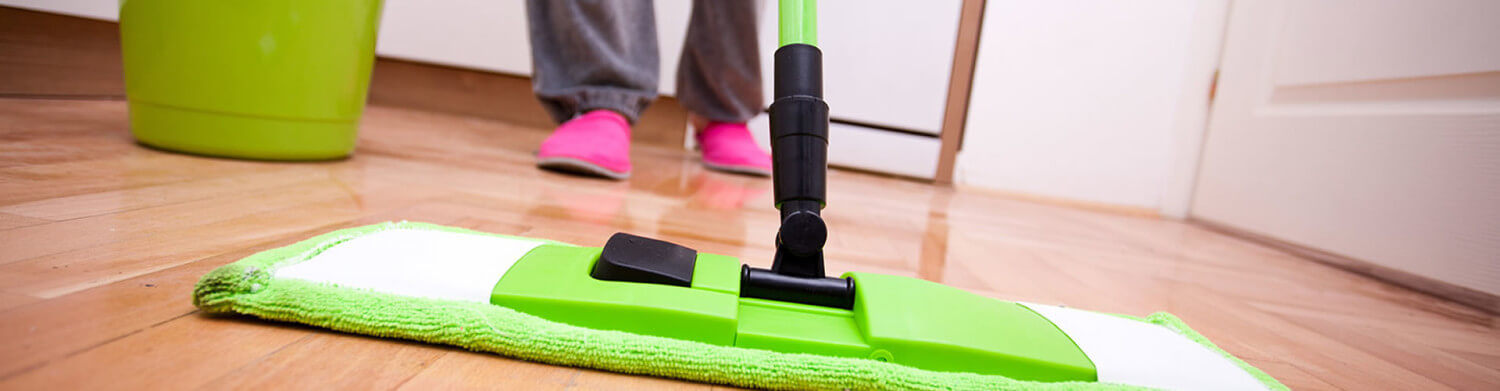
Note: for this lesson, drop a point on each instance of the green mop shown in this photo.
(644, 306)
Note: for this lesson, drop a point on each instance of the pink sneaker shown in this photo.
(596, 143)
(729, 147)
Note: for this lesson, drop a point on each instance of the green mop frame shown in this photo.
(249, 287)
(552, 307)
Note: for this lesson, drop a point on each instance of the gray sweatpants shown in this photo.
(601, 54)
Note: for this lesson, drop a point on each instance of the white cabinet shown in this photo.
(885, 76)
(886, 62)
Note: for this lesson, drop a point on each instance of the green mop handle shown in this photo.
(799, 22)
(799, 142)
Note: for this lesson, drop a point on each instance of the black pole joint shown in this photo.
(799, 160)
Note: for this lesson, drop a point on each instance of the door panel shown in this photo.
(1369, 129)
(1333, 41)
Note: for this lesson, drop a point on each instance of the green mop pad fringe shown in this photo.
(247, 287)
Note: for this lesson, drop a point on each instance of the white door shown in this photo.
(1365, 128)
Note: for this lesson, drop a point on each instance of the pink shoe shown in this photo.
(729, 147)
(596, 143)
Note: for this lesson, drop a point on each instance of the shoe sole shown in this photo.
(743, 170)
(579, 167)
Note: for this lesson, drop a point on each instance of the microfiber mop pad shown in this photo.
(430, 283)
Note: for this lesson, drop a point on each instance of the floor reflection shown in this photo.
(715, 209)
(603, 204)
(934, 255)
(709, 209)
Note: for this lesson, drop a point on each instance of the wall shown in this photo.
(93, 9)
(1098, 101)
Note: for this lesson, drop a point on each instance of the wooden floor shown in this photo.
(101, 241)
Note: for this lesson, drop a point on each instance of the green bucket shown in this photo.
(255, 79)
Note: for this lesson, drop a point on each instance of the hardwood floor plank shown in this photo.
(1402, 349)
(138, 168)
(43, 331)
(1463, 338)
(182, 353)
(85, 205)
(1251, 333)
(100, 297)
(60, 145)
(11, 300)
(62, 273)
(588, 380)
(9, 221)
(1487, 359)
(59, 237)
(474, 371)
(366, 363)
(1291, 376)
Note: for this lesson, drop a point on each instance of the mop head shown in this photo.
(432, 283)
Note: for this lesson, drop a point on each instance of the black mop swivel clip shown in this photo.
(799, 170)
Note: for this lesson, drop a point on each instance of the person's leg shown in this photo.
(593, 54)
(594, 67)
(719, 80)
(719, 75)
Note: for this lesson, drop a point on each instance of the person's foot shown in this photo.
(729, 147)
(596, 143)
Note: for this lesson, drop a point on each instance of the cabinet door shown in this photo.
(885, 77)
(1369, 129)
(885, 63)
